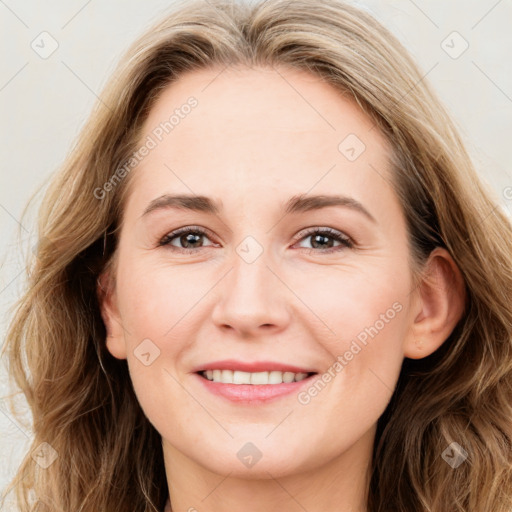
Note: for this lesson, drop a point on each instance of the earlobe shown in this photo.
(441, 297)
(106, 293)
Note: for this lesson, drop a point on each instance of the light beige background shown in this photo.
(44, 103)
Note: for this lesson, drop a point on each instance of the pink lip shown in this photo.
(250, 393)
(257, 366)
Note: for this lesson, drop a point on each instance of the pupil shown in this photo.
(321, 237)
(189, 238)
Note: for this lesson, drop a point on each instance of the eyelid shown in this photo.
(323, 229)
(346, 241)
(185, 229)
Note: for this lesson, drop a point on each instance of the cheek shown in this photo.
(355, 302)
(156, 306)
(156, 300)
(366, 317)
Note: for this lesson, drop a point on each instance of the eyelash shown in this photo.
(346, 242)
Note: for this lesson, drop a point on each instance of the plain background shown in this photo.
(45, 101)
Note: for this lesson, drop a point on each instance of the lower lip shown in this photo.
(254, 393)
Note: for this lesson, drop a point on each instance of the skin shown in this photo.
(257, 137)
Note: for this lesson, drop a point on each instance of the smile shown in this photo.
(253, 388)
(254, 378)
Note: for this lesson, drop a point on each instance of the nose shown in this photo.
(252, 299)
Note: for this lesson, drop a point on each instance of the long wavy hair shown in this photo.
(108, 456)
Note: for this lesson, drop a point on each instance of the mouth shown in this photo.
(253, 387)
(253, 378)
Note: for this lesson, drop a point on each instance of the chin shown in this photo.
(263, 469)
(252, 460)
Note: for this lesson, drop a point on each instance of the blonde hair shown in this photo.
(81, 398)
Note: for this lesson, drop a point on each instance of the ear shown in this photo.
(439, 305)
(107, 298)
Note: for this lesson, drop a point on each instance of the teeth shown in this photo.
(288, 376)
(257, 378)
(275, 377)
(227, 376)
(241, 377)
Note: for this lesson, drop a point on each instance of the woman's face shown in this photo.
(274, 155)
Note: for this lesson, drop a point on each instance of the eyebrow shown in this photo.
(296, 204)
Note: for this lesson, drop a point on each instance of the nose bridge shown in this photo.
(251, 295)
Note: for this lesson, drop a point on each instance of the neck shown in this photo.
(338, 485)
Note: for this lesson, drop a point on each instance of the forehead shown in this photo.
(241, 101)
(268, 128)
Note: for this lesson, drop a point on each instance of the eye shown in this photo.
(190, 238)
(321, 239)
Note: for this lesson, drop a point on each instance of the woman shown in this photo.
(186, 350)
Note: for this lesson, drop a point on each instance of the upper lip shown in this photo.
(252, 367)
